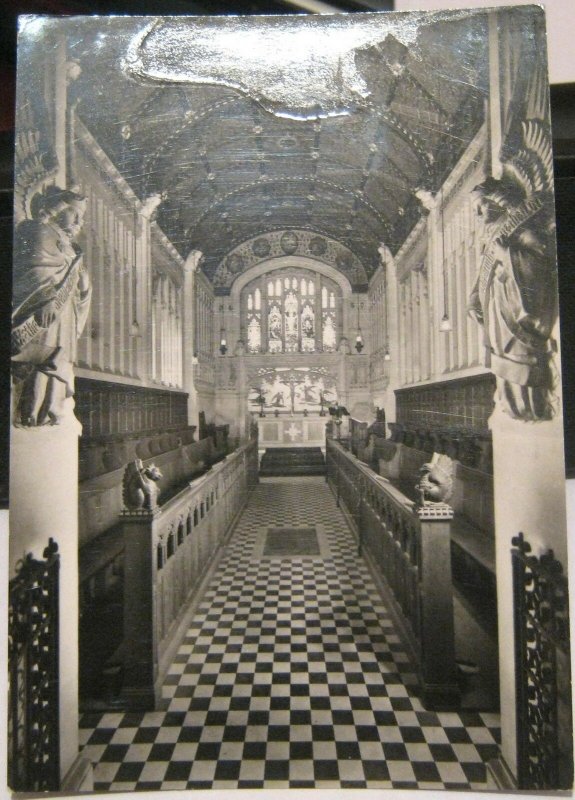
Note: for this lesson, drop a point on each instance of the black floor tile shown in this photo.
(276, 771)
(326, 770)
(242, 662)
(375, 771)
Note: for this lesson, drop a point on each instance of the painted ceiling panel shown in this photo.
(227, 169)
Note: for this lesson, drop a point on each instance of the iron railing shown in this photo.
(33, 703)
(542, 670)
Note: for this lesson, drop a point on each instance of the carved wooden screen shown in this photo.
(543, 670)
(459, 404)
(33, 716)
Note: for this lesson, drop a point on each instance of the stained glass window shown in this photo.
(275, 338)
(283, 313)
(307, 327)
(291, 314)
(328, 320)
(254, 327)
(329, 338)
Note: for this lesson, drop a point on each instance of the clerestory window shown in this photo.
(291, 311)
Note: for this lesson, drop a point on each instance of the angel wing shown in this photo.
(531, 166)
(35, 162)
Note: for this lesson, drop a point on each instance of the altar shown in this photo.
(292, 430)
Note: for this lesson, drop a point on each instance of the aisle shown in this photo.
(291, 675)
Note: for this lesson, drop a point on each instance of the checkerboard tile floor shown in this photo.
(290, 676)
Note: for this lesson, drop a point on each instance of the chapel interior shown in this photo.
(278, 347)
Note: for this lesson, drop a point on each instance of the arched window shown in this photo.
(291, 311)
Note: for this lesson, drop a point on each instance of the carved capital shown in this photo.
(151, 204)
(73, 71)
(193, 260)
(384, 255)
(427, 199)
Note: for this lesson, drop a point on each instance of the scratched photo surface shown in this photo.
(287, 484)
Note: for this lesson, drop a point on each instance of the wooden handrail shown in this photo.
(168, 553)
(410, 550)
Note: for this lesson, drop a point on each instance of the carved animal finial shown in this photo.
(435, 483)
(139, 486)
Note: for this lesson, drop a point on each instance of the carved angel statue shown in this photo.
(51, 302)
(515, 297)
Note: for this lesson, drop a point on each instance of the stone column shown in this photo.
(242, 393)
(60, 105)
(529, 486)
(44, 504)
(44, 434)
(188, 327)
(318, 314)
(392, 335)
(44, 448)
(495, 100)
(436, 291)
(143, 302)
(425, 324)
(264, 327)
(343, 377)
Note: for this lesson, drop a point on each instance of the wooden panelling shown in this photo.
(463, 404)
(106, 408)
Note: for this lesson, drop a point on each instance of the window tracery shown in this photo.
(291, 311)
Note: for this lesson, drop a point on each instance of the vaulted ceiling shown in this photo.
(229, 169)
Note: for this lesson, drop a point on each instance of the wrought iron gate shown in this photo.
(543, 670)
(33, 715)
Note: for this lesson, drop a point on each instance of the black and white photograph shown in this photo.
(287, 476)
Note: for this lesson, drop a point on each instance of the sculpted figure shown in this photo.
(377, 428)
(435, 483)
(51, 302)
(515, 297)
(139, 486)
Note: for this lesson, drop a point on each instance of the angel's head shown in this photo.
(493, 197)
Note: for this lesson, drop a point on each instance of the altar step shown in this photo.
(278, 461)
